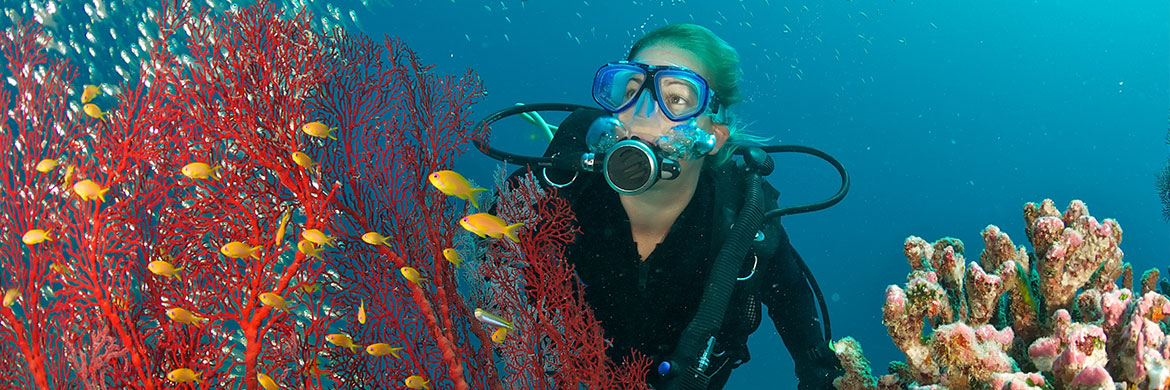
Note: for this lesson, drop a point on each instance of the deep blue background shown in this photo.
(950, 115)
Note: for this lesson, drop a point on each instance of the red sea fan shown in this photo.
(557, 341)
(233, 91)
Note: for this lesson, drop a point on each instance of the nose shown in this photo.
(645, 100)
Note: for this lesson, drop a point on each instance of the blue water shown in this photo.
(949, 115)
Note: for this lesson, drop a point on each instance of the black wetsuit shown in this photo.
(646, 305)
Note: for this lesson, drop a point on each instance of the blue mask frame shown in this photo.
(603, 88)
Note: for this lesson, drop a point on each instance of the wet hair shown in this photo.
(722, 64)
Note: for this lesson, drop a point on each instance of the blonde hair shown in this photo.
(722, 62)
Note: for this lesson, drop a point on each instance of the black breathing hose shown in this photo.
(717, 295)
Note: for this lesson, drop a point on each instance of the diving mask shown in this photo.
(680, 92)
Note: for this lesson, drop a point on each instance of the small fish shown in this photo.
(417, 382)
(317, 237)
(68, 175)
(485, 225)
(373, 238)
(499, 335)
(183, 375)
(185, 316)
(311, 288)
(10, 297)
(383, 349)
(280, 229)
(266, 381)
(120, 302)
(319, 130)
(362, 313)
(59, 269)
(491, 319)
(412, 275)
(94, 111)
(271, 299)
(88, 190)
(314, 370)
(454, 184)
(452, 256)
(309, 249)
(303, 160)
(200, 171)
(164, 268)
(236, 250)
(36, 236)
(89, 92)
(342, 340)
(47, 165)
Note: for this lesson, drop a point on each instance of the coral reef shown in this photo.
(252, 210)
(1053, 317)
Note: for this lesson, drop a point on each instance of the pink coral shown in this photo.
(1092, 378)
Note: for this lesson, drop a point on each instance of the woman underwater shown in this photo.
(645, 249)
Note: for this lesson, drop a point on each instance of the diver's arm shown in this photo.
(794, 312)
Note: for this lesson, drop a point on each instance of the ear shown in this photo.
(721, 135)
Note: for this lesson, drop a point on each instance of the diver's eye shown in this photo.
(679, 100)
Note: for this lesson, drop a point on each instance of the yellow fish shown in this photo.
(88, 190)
(94, 111)
(68, 175)
(236, 250)
(46, 165)
(383, 349)
(119, 302)
(452, 256)
(303, 160)
(280, 230)
(309, 249)
(499, 335)
(362, 313)
(417, 382)
(342, 340)
(273, 300)
(373, 238)
(59, 268)
(200, 170)
(183, 375)
(164, 268)
(89, 92)
(412, 275)
(36, 236)
(314, 370)
(311, 288)
(184, 316)
(454, 184)
(319, 130)
(484, 225)
(317, 237)
(10, 297)
(266, 381)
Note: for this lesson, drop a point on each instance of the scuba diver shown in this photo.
(676, 248)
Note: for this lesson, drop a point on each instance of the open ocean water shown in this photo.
(949, 115)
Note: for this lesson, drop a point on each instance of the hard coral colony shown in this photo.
(1051, 318)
